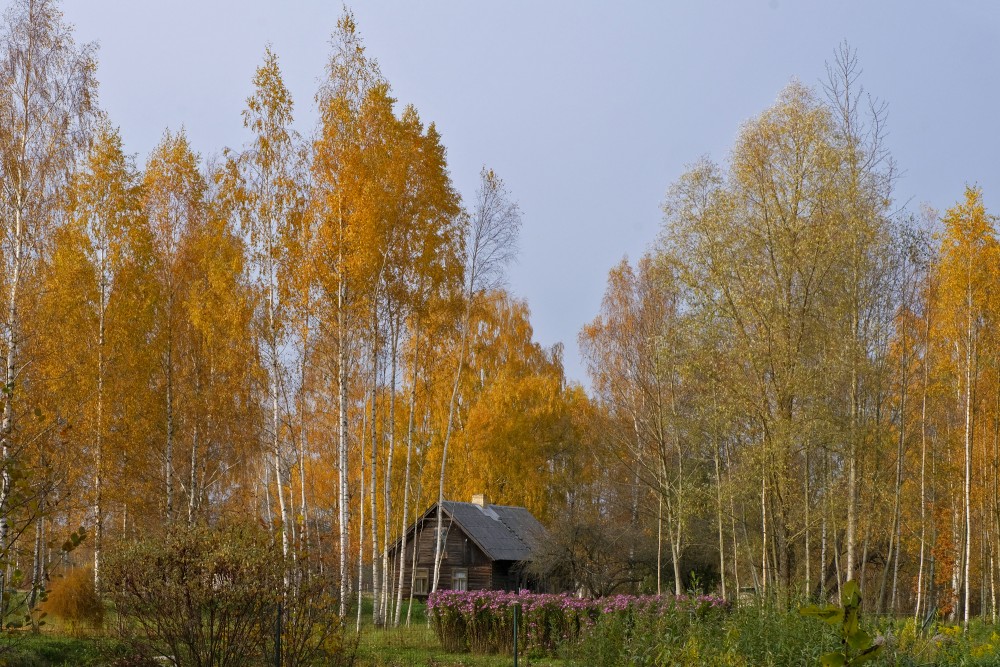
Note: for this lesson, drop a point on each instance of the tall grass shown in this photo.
(765, 633)
(638, 631)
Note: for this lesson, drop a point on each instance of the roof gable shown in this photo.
(502, 532)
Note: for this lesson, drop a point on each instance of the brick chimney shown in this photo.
(480, 499)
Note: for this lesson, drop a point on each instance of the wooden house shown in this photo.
(485, 547)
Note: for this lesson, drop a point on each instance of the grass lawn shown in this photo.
(51, 649)
(413, 646)
(418, 646)
(745, 637)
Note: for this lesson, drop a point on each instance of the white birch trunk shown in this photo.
(968, 458)
(373, 488)
(387, 485)
(99, 443)
(342, 423)
(763, 528)
(361, 516)
(406, 478)
(923, 468)
(169, 455)
(447, 438)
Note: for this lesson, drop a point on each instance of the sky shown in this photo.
(587, 110)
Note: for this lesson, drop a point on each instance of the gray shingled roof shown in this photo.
(501, 531)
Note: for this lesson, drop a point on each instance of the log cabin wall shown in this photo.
(460, 555)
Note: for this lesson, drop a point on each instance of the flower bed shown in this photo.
(483, 621)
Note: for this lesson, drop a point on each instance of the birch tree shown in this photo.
(264, 186)
(490, 246)
(635, 350)
(174, 204)
(427, 264)
(968, 253)
(47, 104)
(760, 260)
(864, 179)
(108, 207)
(336, 157)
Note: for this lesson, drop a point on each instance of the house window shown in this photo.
(460, 580)
(420, 582)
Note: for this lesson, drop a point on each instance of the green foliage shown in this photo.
(751, 635)
(49, 650)
(857, 646)
(761, 634)
(418, 646)
(74, 540)
(947, 644)
(483, 621)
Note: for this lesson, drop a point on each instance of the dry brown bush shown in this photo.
(74, 600)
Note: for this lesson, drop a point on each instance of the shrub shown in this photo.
(211, 596)
(74, 599)
(201, 596)
(650, 630)
(482, 621)
(311, 631)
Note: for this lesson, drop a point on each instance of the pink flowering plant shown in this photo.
(483, 621)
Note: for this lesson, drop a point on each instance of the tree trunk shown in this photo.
(406, 477)
(99, 446)
(37, 582)
(387, 486)
(361, 516)
(852, 472)
(193, 481)
(763, 529)
(342, 421)
(373, 487)
(10, 368)
(995, 524)
(968, 458)
(170, 425)
(675, 552)
(732, 521)
(447, 438)
(659, 544)
(805, 505)
(900, 450)
(275, 372)
(923, 466)
(863, 565)
(416, 543)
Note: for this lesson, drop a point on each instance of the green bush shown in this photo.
(46, 649)
(761, 634)
(482, 621)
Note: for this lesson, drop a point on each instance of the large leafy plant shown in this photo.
(856, 645)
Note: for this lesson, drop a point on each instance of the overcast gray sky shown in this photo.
(588, 110)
